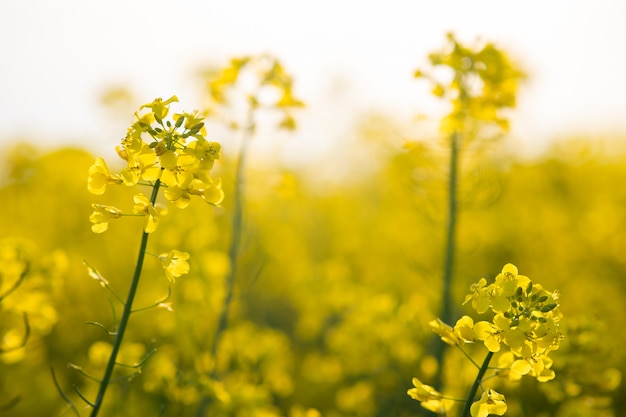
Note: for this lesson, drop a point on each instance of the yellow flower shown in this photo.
(480, 296)
(444, 331)
(179, 196)
(464, 329)
(175, 264)
(141, 165)
(100, 177)
(540, 368)
(144, 206)
(179, 169)
(211, 192)
(204, 151)
(429, 397)
(489, 334)
(508, 280)
(159, 107)
(490, 402)
(102, 215)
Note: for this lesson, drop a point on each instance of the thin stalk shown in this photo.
(128, 307)
(472, 393)
(448, 265)
(233, 252)
(446, 313)
(235, 242)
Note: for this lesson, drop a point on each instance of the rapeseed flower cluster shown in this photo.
(159, 153)
(524, 330)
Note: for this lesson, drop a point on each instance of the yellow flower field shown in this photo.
(259, 290)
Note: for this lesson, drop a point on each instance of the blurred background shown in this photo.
(60, 57)
(340, 265)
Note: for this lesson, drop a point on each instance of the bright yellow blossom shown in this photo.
(464, 329)
(159, 107)
(141, 165)
(175, 264)
(211, 192)
(429, 398)
(101, 217)
(144, 206)
(100, 177)
(444, 331)
(490, 403)
(480, 296)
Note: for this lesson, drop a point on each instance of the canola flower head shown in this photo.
(523, 330)
(525, 316)
(484, 84)
(172, 153)
(265, 83)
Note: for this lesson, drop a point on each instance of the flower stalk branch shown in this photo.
(128, 307)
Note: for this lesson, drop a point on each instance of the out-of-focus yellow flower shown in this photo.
(100, 177)
(211, 192)
(101, 217)
(175, 264)
(145, 207)
(491, 402)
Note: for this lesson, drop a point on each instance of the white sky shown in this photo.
(347, 57)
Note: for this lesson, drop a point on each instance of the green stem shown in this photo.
(446, 306)
(472, 393)
(233, 251)
(128, 307)
(446, 313)
(235, 242)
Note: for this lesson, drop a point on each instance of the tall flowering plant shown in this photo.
(163, 154)
(522, 332)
